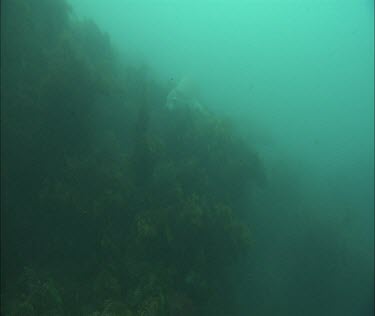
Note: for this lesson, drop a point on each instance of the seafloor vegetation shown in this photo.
(111, 204)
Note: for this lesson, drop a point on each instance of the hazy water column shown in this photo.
(300, 72)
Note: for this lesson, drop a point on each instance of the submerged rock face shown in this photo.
(184, 95)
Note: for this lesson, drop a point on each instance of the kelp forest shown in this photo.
(111, 203)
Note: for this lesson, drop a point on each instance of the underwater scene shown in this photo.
(187, 158)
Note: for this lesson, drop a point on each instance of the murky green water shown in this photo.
(187, 158)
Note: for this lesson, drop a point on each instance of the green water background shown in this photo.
(298, 78)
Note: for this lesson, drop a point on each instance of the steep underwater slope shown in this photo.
(111, 203)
